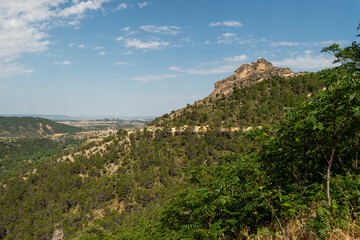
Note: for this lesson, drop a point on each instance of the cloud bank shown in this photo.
(306, 62)
(24, 25)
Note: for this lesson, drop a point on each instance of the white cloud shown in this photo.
(202, 71)
(80, 7)
(128, 53)
(149, 78)
(320, 43)
(72, 44)
(17, 37)
(205, 69)
(98, 48)
(143, 4)
(306, 62)
(120, 63)
(63, 63)
(186, 39)
(122, 6)
(285, 43)
(23, 26)
(172, 30)
(120, 38)
(329, 42)
(240, 58)
(235, 59)
(227, 24)
(131, 33)
(229, 35)
(126, 29)
(227, 38)
(102, 53)
(81, 46)
(149, 45)
(10, 69)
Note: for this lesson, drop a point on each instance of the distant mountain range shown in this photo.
(66, 117)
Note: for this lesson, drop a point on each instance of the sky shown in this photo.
(147, 58)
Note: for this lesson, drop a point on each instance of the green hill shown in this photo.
(116, 180)
(253, 106)
(32, 127)
(202, 173)
(15, 153)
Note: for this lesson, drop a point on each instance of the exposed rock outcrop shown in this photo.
(247, 75)
(58, 235)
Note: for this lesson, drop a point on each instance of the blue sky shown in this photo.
(146, 58)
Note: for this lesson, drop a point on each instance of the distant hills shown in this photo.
(67, 118)
(32, 127)
(47, 116)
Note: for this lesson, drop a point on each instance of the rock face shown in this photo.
(247, 75)
(58, 235)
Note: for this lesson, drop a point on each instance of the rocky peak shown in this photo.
(247, 75)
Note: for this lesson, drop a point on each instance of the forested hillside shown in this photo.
(15, 153)
(32, 127)
(136, 171)
(238, 167)
(253, 106)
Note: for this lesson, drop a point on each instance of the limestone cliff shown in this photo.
(247, 75)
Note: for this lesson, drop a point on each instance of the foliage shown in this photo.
(257, 105)
(128, 173)
(317, 139)
(211, 179)
(233, 203)
(32, 127)
(15, 153)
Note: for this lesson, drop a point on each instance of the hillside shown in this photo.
(15, 153)
(247, 75)
(32, 127)
(233, 167)
(130, 175)
(255, 95)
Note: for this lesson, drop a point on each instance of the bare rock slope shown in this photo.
(247, 75)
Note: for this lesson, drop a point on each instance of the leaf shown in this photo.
(356, 111)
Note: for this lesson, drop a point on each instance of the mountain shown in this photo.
(255, 95)
(191, 174)
(247, 75)
(32, 127)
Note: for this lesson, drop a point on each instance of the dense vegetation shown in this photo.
(295, 177)
(14, 153)
(126, 178)
(32, 127)
(256, 105)
(303, 180)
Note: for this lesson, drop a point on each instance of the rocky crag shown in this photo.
(247, 75)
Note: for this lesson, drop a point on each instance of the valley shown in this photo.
(26, 140)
